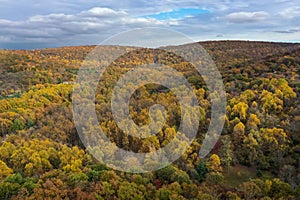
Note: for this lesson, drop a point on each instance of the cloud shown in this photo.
(290, 31)
(58, 27)
(247, 17)
(290, 12)
(5, 38)
(82, 22)
(139, 21)
(103, 12)
(49, 18)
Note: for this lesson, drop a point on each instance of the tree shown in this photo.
(283, 86)
(18, 124)
(251, 190)
(232, 196)
(240, 110)
(275, 145)
(247, 96)
(165, 174)
(6, 151)
(227, 151)
(189, 190)
(251, 148)
(253, 122)
(104, 190)
(10, 186)
(214, 163)
(4, 170)
(176, 191)
(163, 193)
(280, 189)
(53, 188)
(131, 191)
(77, 179)
(238, 134)
(202, 171)
(180, 177)
(288, 174)
(270, 102)
(215, 177)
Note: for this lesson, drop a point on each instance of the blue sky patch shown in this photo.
(177, 14)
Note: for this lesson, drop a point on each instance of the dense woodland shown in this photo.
(256, 157)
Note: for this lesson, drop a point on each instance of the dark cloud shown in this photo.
(288, 31)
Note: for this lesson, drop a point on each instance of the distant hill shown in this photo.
(20, 69)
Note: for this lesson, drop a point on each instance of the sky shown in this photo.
(30, 24)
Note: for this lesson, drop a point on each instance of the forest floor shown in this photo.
(238, 174)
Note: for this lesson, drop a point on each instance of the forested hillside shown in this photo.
(256, 157)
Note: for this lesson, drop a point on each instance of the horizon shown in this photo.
(203, 41)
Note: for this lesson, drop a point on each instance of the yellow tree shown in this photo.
(250, 148)
(240, 110)
(247, 96)
(238, 133)
(214, 163)
(253, 121)
(275, 145)
(4, 170)
(270, 102)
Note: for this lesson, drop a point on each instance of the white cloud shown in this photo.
(290, 12)
(141, 21)
(49, 18)
(90, 26)
(247, 17)
(4, 22)
(104, 12)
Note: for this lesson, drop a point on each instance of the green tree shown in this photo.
(202, 171)
(251, 190)
(131, 191)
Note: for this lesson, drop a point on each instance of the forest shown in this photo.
(256, 157)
